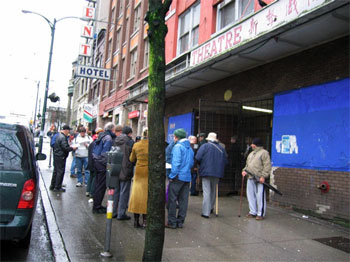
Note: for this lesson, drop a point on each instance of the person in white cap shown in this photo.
(212, 159)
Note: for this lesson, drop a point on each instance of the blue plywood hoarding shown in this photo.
(185, 121)
(311, 127)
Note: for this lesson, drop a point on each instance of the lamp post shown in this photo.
(52, 27)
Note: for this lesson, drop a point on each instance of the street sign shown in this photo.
(93, 72)
(88, 113)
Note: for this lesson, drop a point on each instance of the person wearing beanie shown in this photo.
(212, 159)
(179, 179)
(258, 164)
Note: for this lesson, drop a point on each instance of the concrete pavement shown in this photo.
(283, 236)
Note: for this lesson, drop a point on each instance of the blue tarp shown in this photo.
(311, 127)
(184, 121)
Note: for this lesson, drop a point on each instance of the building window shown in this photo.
(115, 77)
(231, 11)
(113, 17)
(109, 48)
(122, 71)
(118, 39)
(188, 29)
(137, 16)
(146, 54)
(246, 7)
(133, 59)
(121, 8)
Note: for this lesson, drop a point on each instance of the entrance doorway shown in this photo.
(241, 121)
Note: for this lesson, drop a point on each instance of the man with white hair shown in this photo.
(212, 160)
(99, 154)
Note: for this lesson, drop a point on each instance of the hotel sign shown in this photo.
(275, 15)
(93, 72)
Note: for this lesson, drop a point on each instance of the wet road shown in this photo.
(40, 245)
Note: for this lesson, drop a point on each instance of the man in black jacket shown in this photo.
(125, 142)
(61, 150)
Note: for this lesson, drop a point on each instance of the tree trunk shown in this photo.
(157, 31)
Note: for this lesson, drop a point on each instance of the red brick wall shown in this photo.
(299, 188)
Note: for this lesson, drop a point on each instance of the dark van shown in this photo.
(19, 177)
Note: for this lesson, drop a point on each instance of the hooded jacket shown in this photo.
(182, 161)
(212, 159)
(125, 143)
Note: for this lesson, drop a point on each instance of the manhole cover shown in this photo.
(340, 243)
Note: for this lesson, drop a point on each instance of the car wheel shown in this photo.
(25, 242)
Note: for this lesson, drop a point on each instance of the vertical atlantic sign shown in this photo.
(87, 32)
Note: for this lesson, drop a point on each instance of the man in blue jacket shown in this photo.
(179, 179)
(212, 159)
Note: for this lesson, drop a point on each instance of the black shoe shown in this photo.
(205, 216)
(211, 211)
(101, 210)
(125, 217)
(194, 194)
(59, 190)
(51, 188)
(170, 226)
(115, 216)
(180, 225)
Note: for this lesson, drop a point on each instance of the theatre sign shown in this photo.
(275, 15)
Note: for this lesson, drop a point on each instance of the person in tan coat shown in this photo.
(139, 190)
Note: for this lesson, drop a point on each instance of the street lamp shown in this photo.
(52, 27)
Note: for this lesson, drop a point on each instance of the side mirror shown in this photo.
(40, 156)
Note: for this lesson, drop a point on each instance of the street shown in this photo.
(283, 236)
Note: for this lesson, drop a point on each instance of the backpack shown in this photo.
(53, 140)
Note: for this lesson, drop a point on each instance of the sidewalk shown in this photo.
(282, 236)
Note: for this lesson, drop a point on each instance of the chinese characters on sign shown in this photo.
(275, 15)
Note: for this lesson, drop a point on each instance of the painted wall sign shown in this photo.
(93, 72)
(275, 15)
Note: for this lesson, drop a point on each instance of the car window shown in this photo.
(13, 152)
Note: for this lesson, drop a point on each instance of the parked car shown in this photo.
(19, 177)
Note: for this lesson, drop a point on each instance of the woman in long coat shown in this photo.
(139, 191)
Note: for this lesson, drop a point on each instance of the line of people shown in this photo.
(184, 160)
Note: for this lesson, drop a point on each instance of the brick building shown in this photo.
(279, 72)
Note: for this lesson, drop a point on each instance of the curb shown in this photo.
(58, 247)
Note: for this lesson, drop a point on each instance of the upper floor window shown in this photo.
(113, 16)
(133, 60)
(230, 11)
(146, 53)
(137, 16)
(118, 36)
(189, 29)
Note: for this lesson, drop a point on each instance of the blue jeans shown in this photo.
(73, 166)
(80, 162)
